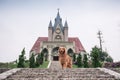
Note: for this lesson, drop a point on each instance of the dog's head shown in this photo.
(62, 50)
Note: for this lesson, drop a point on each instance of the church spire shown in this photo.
(50, 24)
(66, 25)
(58, 15)
(58, 21)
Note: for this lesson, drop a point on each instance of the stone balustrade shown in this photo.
(115, 69)
(3, 70)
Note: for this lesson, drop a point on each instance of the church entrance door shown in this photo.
(55, 54)
(55, 58)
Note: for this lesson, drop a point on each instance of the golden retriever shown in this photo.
(64, 58)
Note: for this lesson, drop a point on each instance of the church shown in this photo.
(57, 36)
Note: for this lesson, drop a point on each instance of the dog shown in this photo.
(64, 58)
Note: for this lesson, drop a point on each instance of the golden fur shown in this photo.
(64, 58)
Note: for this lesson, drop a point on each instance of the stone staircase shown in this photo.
(67, 74)
(55, 72)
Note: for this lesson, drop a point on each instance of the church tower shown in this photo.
(57, 36)
(58, 32)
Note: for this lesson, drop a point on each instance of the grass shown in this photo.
(74, 66)
(44, 65)
(14, 65)
(8, 65)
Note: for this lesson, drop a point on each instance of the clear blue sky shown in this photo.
(23, 21)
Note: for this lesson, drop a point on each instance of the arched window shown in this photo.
(45, 52)
(70, 52)
(58, 38)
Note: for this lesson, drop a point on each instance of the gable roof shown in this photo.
(78, 45)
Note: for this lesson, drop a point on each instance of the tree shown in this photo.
(21, 61)
(95, 57)
(85, 61)
(102, 56)
(32, 61)
(74, 57)
(79, 60)
(38, 60)
(105, 57)
(109, 59)
(41, 58)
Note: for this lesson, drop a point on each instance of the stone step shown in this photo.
(55, 72)
(66, 74)
(60, 79)
(67, 78)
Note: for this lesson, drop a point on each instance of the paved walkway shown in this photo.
(55, 65)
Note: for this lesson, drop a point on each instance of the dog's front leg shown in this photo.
(64, 66)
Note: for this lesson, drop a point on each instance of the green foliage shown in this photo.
(8, 65)
(74, 66)
(95, 57)
(26, 63)
(21, 63)
(74, 57)
(13, 64)
(44, 65)
(99, 57)
(79, 60)
(38, 58)
(41, 58)
(103, 56)
(32, 61)
(85, 61)
(109, 59)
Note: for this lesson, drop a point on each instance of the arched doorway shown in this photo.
(70, 52)
(55, 54)
(45, 52)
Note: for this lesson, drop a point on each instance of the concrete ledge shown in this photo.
(117, 75)
(8, 73)
(49, 64)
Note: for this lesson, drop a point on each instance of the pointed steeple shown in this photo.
(58, 15)
(50, 24)
(66, 25)
(58, 21)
